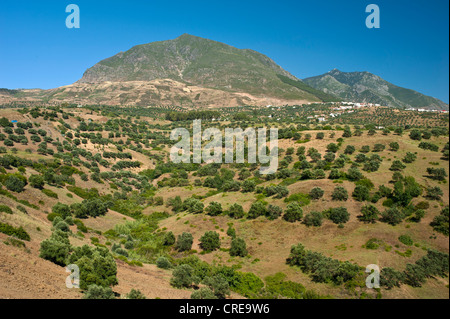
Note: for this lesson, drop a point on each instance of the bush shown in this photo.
(397, 166)
(369, 214)
(257, 209)
(238, 247)
(339, 194)
(231, 232)
(350, 149)
(218, 285)
(394, 146)
(98, 292)
(62, 226)
(121, 252)
(248, 186)
(300, 198)
(5, 209)
(316, 193)
(36, 181)
(49, 193)
(437, 173)
(361, 193)
(210, 241)
(390, 278)
(441, 222)
(392, 216)
(163, 263)
(415, 135)
(354, 174)
(184, 242)
(56, 249)
(313, 219)
(409, 157)
(434, 193)
(293, 213)
(9, 230)
(97, 266)
(203, 293)
(406, 240)
(273, 212)
(15, 183)
(236, 211)
(183, 276)
(169, 239)
(22, 209)
(135, 294)
(193, 206)
(214, 209)
(338, 215)
(321, 268)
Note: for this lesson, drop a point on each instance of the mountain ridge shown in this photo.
(363, 86)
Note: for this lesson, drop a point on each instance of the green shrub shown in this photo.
(203, 293)
(135, 294)
(22, 209)
(369, 214)
(49, 193)
(98, 292)
(372, 243)
(339, 194)
(313, 219)
(406, 240)
(97, 266)
(163, 263)
(257, 209)
(5, 209)
(218, 285)
(169, 239)
(293, 212)
(338, 215)
(184, 242)
(300, 198)
(273, 212)
(9, 230)
(441, 222)
(214, 209)
(36, 181)
(56, 249)
(238, 247)
(15, 183)
(236, 211)
(361, 193)
(316, 193)
(183, 276)
(210, 241)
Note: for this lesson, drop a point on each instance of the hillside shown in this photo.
(370, 88)
(350, 195)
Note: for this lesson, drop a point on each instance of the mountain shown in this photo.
(203, 63)
(367, 87)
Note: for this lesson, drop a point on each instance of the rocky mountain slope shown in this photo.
(367, 87)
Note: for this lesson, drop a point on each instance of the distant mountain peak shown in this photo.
(334, 71)
(367, 87)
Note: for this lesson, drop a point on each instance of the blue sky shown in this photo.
(307, 38)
